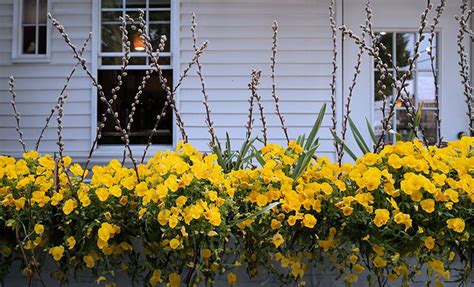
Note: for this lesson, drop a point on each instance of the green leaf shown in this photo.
(358, 137)
(256, 214)
(371, 131)
(258, 156)
(315, 128)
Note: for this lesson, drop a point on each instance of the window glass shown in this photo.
(158, 21)
(420, 90)
(33, 27)
(151, 103)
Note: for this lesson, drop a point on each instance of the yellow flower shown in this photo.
(380, 262)
(155, 277)
(172, 183)
(141, 189)
(231, 278)
(214, 216)
(456, 224)
(429, 242)
(102, 193)
(206, 253)
(31, 155)
(71, 242)
(174, 243)
(39, 228)
(181, 201)
(89, 260)
(277, 240)
(381, 217)
(57, 252)
(69, 206)
(275, 224)
(174, 280)
(115, 191)
(163, 216)
(309, 221)
(428, 205)
(403, 218)
(358, 268)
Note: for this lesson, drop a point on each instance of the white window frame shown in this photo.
(106, 151)
(17, 43)
(438, 59)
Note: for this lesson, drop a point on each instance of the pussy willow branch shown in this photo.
(401, 83)
(59, 130)
(164, 82)
(464, 62)
(249, 126)
(433, 59)
(380, 66)
(332, 84)
(275, 97)
(410, 109)
(347, 113)
(155, 67)
(66, 84)
(379, 46)
(205, 101)
(11, 89)
(102, 97)
(256, 75)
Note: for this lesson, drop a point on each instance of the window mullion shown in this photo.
(36, 27)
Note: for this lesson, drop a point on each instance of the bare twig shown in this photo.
(205, 101)
(102, 96)
(66, 84)
(256, 75)
(11, 84)
(250, 121)
(464, 61)
(433, 59)
(275, 97)
(349, 98)
(332, 84)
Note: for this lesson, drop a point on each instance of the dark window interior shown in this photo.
(150, 105)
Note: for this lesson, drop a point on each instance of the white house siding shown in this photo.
(240, 39)
(39, 84)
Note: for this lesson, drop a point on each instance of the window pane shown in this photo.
(111, 3)
(29, 43)
(111, 38)
(151, 103)
(160, 4)
(425, 87)
(156, 30)
(29, 12)
(405, 48)
(43, 7)
(136, 4)
(160, 16)
(387, 40)
(429, 124)
(402, 121)
(111, 17)
(424, 62)
(42, 39)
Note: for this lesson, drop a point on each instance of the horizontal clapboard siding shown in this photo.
(38, 84)
(240, 39)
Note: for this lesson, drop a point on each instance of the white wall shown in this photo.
(240, 34)
(39, 84)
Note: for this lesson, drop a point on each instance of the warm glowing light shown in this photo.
(138, 44)
(383, 33)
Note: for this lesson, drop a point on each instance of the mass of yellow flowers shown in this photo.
(181, 219)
